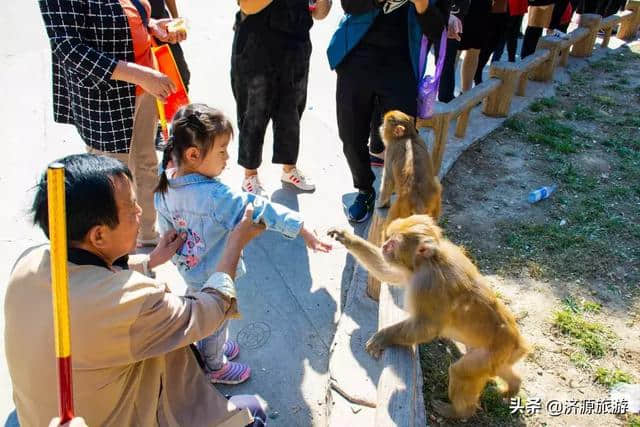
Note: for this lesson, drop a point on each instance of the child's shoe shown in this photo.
(251, 184)
(230, 373)
(298, 179)
(231, 349)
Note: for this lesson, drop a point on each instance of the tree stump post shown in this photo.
(584, 47)
(544, 72)
(629, 26)
(498, 103)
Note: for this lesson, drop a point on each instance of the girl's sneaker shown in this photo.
(298, 179)
(230, 373)
(251, 184)
(231, 349)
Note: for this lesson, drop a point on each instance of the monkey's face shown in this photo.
(394, 126)
(400, 249)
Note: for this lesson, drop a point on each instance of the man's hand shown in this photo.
(167, 247)
(157, 84)
(454, 28)
(246, 230)
(164, 31)
(421, 5)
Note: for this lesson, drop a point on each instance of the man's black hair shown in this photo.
(89, 193)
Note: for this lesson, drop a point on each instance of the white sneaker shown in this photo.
(297, 178)
(251, 184)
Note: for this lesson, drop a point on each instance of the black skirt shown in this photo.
(474, 27)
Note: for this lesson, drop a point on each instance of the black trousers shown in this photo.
(366, 89)
(447, 83)
(496, 27)
(269, 83)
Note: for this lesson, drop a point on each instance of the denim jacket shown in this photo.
(207, 210)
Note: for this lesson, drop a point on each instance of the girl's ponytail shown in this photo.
(163, 184)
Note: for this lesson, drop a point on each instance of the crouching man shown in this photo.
(131, 355)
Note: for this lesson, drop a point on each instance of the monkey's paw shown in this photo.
(375, 346)
(339, 234)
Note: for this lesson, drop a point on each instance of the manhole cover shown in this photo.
(254, 335)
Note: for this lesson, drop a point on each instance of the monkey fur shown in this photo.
(447, 297)
(408, 170)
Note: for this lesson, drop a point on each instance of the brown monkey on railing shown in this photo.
(447, 297)
(408, 170)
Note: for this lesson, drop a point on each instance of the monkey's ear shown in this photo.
(425, 250)
(399, 131)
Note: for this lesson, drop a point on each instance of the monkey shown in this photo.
(408, 170)
(447, 297)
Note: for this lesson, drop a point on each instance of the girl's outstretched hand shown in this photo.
(313, 243)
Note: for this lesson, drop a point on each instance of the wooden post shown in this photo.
(607, 36)
(544, 72)
(376, 232)
(441, 132)
(462, 122)
(584, 47)
(564, 57)
(629, 26)
(498, 103)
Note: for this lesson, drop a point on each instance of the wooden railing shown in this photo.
(399, 402)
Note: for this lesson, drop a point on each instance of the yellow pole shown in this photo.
(60, 292)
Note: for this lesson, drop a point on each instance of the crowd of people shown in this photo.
(134, 359)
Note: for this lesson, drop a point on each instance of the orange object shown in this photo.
(166, 64)
(60, 291)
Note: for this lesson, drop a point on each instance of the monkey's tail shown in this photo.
(408, 168)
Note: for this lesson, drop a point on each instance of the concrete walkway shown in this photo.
(291, 300)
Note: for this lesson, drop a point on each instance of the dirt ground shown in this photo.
(568, 267)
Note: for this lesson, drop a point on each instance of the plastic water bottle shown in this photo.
(541, 193)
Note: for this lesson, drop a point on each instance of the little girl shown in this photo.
(191, 200)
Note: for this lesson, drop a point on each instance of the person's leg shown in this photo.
(290, 101)
(354, 109)
(143, 162)
(448, 76)
(515, 22)
(531, 37)
(255, 405)
(289, 105)
(397, 91)
(469, 67)
(212, 348)
(252, 85)
(556, 15)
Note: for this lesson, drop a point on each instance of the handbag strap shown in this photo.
(142, 11)
(441, 54)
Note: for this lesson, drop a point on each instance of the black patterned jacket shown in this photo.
(88, 38)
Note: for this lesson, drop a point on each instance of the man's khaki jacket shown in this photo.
(130, 337)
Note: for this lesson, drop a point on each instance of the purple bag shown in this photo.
(428, 86)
